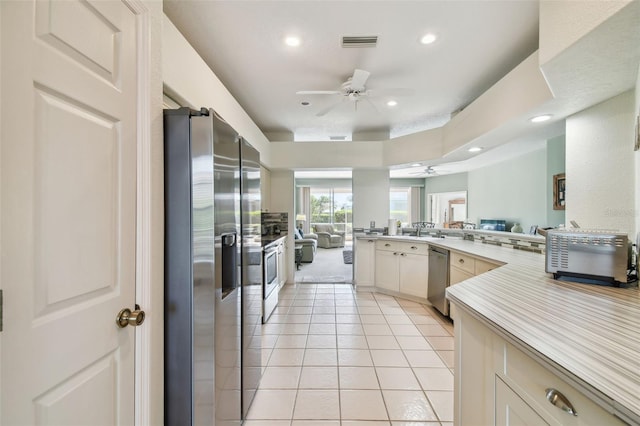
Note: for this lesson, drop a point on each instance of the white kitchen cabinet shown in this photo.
(498, 383)
(402, 267)
(282, 262)
(365, 261)
(387, 270)
(512, 410)
(462, 267)
(482, 266)
(413, 269)
(457, 275)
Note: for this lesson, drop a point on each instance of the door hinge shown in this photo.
(0, 310)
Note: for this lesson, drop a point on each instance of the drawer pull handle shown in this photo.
(461, 260)
(395, 253)
(403, 254)
(369, 241)
(559, 400)
(414, 248)
(387, 245)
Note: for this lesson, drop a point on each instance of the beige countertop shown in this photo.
(589, 334)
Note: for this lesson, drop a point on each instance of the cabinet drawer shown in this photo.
(387, 245)
(483, 266)
(415, 248)
(532, 380)
(463, 261)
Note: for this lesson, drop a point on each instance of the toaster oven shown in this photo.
(593, 255)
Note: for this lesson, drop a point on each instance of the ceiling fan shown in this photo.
(428, 171)
(354, 90)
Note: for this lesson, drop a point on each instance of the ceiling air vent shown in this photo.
(337, 138)
(359, 41)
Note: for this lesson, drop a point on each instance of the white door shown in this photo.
(68, 224)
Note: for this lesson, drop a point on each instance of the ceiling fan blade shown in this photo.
(375, 108)
(324, 111)
(358, 79)
(391, 92)
(319, 92)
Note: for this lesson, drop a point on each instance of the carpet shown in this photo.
(327, 267)
(347, 256)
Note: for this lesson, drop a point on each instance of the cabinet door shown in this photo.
(284, 270)
(483, 266)
(414, 270)
(365, 262)
(512, 410)
(282, 265)
(386, 275)
(457, 275)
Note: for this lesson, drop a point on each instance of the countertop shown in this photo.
(270, 240)
(590, 334)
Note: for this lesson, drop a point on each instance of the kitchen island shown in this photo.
(516, 325)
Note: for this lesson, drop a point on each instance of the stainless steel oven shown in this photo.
(270, 281)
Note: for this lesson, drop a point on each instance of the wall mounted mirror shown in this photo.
(447, 209)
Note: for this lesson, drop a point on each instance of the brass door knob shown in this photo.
(127, 317)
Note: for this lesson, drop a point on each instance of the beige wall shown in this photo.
(600, 166)
(563, 23)
(637, 153)
(370, 197)
(190, 80)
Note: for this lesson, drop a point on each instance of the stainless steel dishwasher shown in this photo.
(438, 278)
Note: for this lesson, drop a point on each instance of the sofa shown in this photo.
(309, 243)
(328, 237)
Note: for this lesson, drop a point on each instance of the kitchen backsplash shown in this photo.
(274, 223)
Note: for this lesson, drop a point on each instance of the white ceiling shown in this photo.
(242, 41)
(479, 42)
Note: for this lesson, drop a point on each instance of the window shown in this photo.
(405, 204)
(399, 204)
(332, 205)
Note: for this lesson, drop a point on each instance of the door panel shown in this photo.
(68, 225)
(74, 227)
(512, 410)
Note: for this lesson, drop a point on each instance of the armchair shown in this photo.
(309, 245)
(328, 237)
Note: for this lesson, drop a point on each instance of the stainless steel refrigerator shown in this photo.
(213, 270)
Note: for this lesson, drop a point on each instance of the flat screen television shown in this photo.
(493, 224)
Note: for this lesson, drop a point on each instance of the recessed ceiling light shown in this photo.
(428, 38)
(416, 165)
(392, 103)
(540, 118)
(475, 149)
(292, 41)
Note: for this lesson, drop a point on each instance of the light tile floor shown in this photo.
(338, 357)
